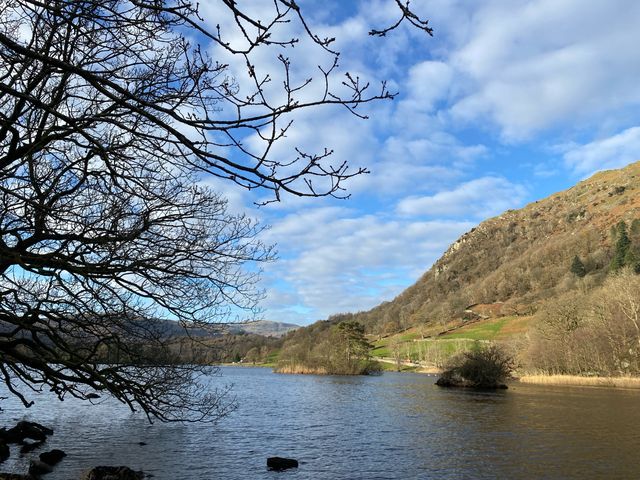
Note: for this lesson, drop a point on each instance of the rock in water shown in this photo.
(24, 430)
(53, 457)
(36, 468)
(4, 451)
(113, 473)
(279, 463)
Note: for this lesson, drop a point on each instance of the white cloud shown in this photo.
(612, 152)
(480, 198)
(404, 164)
(536, 64)
(335, 260)
(404, 144)
(428, 83)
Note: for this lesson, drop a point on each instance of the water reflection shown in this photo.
(392, 426)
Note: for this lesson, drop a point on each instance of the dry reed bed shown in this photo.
(300, 369)
(576, 380)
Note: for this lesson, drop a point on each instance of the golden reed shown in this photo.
(576, 380)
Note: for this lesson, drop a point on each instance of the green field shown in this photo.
(428, 350)
(437, 349)
(485, 330)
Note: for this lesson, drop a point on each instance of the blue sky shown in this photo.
(511, 101)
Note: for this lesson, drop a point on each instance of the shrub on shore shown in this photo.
(487, 367)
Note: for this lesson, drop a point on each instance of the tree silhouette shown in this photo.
(110, 117)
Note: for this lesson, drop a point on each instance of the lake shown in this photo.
(381, 427)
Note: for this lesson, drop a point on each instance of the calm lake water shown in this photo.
(392, 426)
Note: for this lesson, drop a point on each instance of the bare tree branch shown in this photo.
(110, 116)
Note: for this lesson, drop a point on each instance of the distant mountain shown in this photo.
(521, 257)
(265, 328)
(251, 342)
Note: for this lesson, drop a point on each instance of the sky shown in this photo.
(509, 102)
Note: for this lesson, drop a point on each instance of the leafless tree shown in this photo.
(110, 117)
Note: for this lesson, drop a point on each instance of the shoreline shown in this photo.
(245, 365)
(625, 383)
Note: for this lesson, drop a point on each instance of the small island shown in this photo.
(483, 368)
(329, 349)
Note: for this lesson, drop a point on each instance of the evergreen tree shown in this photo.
(577, 267)
(622, 248)
(356, 345)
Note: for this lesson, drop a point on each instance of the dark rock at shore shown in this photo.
(113, 473)
(279, 463)
(4, 452)
(24, 430)
(53, 457)
(15, 476)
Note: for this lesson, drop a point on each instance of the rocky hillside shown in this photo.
(521, 257)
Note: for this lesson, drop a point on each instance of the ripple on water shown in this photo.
(384, 427)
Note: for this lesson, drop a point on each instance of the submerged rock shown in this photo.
(113, 473)
(28, 447)
(279, 463)
(36, 468)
